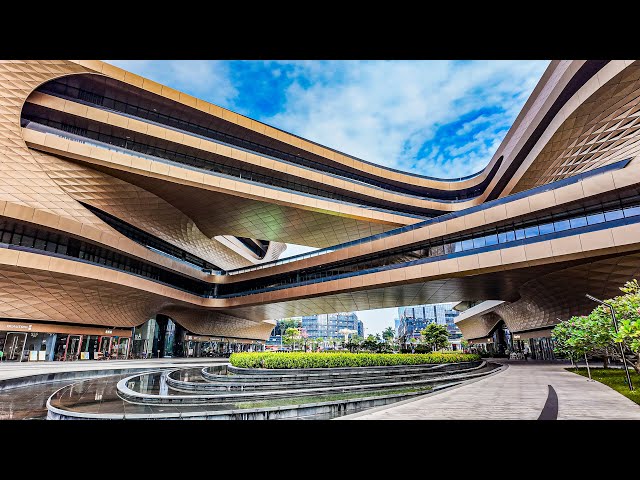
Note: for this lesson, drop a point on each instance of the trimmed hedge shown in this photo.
(342, 359)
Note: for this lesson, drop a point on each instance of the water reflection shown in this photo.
(164, 388)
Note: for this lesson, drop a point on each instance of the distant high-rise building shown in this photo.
(414, 319)
(360, 328)
(397, 323)
(329, 325)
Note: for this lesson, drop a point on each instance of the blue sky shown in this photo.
(437, 118)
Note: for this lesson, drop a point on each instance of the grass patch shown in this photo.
(614, 378)
(326, 398)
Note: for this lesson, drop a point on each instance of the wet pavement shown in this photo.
(194, 375)
(98, 397)
(27, 403)
(22, 369)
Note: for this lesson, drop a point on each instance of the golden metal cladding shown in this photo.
(187, 208)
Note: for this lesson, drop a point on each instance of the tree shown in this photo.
(388, 334)
(436, 336)
(595, 333)
(319, 340)
(304, 336)
(583, 335)
(291, 336)
(286, 323)
(627, 309)
(354, 343)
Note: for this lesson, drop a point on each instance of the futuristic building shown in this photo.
(123, 200)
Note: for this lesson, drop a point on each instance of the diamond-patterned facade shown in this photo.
(602, 130)
(36, 185)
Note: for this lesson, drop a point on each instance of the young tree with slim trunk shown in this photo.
(627, 309)
(595, 333)
(291, 336)
(436, 336)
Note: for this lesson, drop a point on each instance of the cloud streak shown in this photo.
(436, 118)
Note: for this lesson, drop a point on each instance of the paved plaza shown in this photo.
(521, 392)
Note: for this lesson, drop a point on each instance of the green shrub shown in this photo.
(342, 359)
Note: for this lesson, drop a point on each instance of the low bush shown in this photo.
(342, 359)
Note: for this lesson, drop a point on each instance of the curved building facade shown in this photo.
(122, 200)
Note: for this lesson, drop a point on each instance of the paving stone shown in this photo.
(520, 392)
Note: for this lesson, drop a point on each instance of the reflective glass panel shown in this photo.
(578, 222)
(595, 218)
(613, 215)
(531, 231)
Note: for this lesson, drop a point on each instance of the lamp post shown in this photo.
(615, 325)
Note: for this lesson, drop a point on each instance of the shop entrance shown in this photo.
(168, 336)
(73, 347)
(89, 347)
(14, 345)
(104, 348)
(123, 348)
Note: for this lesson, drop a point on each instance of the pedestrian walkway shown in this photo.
(520, 392)
(24, 369)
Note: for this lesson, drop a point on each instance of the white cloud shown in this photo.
(207, 79)
(380, 111)
(385, 111)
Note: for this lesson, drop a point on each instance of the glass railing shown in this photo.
(441, 218)
(201, 164)
(591, 220)
(150, 241)
(22, 236)
(15, 234)
(61, 89)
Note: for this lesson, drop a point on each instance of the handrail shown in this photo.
(448, 216)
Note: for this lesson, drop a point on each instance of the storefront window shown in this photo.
(89, 347)
(104, 347)
(143, 339)
(39, 346)
(542, 348)
(13, 346)
(123, 348)
(60, 347)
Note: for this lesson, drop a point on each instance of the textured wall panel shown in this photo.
(604, 129)
(560, 294)
(479, 326)
(138, 207)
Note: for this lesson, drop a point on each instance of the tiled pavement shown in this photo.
(519, 393)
